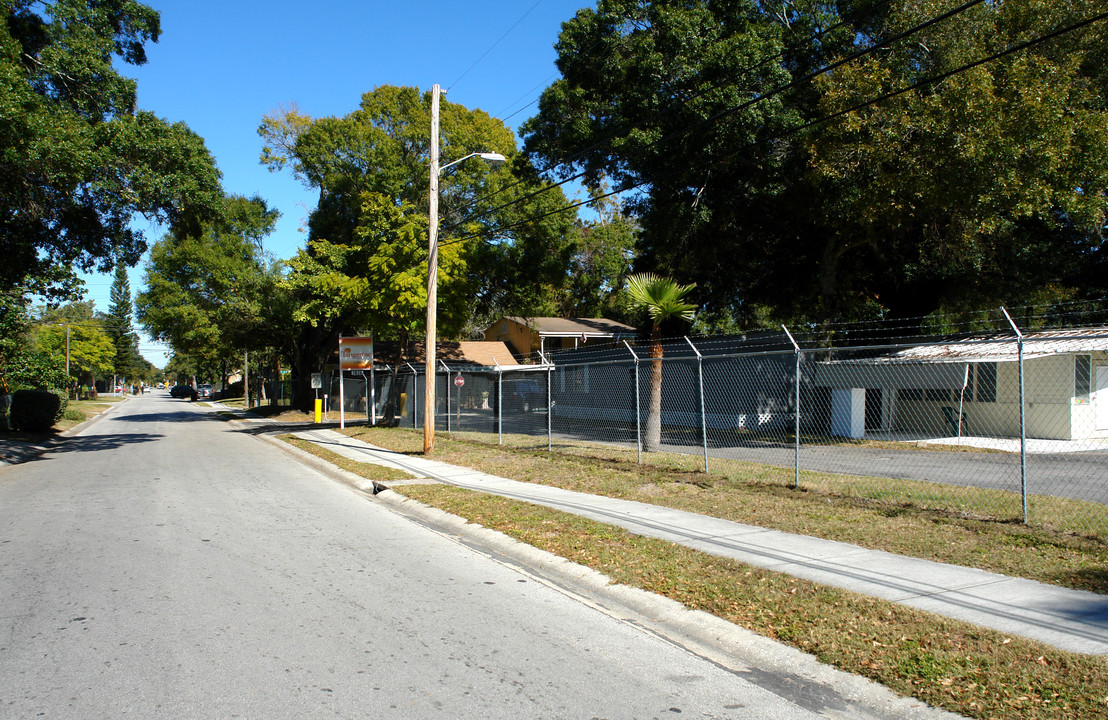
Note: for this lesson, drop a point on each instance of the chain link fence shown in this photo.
(1003, 427)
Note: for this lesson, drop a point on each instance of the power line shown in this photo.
(733, 109)
(792, 131)
(493, 46)
(628, 126)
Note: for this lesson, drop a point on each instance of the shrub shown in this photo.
(233, 390)
(36, 410)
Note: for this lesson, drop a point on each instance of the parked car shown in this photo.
(524, 396)
(204, 391)
(183, 391)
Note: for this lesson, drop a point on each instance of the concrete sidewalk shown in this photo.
(1072, 620)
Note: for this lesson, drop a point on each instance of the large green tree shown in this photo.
(641, 86)
(383, 148)
(75, 336)
(364, 267)
(127, 362)
(772, 189)
(985, 188)
(378, 280)
(79, 160)
(213, 294)
(22, 366)
(603, 250)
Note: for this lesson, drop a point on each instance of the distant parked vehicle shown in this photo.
(183, 391)
(524, 396)
(204, 391)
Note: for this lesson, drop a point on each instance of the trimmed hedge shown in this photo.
(36, 410)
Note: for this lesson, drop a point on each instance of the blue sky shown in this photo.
(220, 67)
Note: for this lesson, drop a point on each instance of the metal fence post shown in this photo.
(499, 404)
(796, 426)
(415, 405)
(703, 413)
(638, 413)
(1023, 426)
(447, 393)
(549, 404)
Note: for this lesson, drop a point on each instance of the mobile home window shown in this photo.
(909, 394)
(986, 382)
(1082, 378)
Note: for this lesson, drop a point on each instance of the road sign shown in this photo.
(317, 380)
(459, 381)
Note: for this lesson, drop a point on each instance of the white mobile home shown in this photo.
(926, 388)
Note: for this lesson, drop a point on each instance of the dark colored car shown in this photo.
(524, 396)
(183, 391)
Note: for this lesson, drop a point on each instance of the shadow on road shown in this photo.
(274, 428)
(175, 416)
(96, 443)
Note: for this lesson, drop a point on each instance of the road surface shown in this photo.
(164, 565)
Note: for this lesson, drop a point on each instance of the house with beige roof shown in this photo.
(527, 336)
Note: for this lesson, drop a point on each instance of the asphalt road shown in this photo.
(163, 564)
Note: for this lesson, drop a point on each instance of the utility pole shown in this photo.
(432, 282)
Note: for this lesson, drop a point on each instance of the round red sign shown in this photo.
(459, 380)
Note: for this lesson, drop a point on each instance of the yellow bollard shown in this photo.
(318, 409)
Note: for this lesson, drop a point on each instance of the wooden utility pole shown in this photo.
(432, 281)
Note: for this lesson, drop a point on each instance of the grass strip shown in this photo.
(950, 664)
(753, 494)
(369, 471)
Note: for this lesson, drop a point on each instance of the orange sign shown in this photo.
(355, 353)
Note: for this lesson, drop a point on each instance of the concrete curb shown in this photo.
(789, 672)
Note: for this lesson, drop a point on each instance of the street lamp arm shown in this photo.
(432, 268)
(492, 158)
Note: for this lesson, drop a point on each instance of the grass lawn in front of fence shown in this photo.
(950, 664)
(895, 515)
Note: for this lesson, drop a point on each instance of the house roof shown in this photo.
(574, 327)
(466, 352)
(1003, 347)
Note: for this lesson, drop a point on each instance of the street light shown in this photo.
(433, 269)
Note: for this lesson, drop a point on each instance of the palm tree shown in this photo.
(663, 299)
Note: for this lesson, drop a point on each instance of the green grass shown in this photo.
(963, 668)
(78, 411)
(897, 516)
(950, 664)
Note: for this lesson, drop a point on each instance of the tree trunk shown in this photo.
(652, 440)
(392, 405)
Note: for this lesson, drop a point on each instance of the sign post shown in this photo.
(317, 383)
(459, 381)
(355, 353)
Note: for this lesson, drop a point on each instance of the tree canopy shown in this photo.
(79, 160)
(902, 183)
(23, 366)
(89, 345)
(381, 150)
(211, 294)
